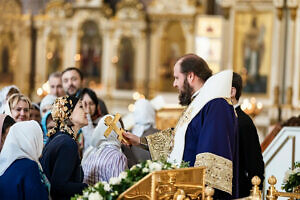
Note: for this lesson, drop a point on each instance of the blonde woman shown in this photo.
(18, 107)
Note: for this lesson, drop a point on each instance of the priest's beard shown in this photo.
(185, 96)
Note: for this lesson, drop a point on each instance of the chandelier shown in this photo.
(251, 107)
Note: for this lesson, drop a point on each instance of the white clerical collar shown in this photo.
(196, 93)
(236, 105)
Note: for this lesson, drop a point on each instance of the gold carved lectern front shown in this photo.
(179, 184)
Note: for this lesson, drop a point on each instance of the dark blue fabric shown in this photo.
(214, 130)
(22, 180)
(61, 164)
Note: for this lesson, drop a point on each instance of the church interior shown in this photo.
(126, 50)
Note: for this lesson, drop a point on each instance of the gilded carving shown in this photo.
(289, 95)
(279, 12)
(130, 9)
(272, 192)
(136, 4)
(293, 12)
(226, 12)
(59, 8)
(177, 184)
(276, 95)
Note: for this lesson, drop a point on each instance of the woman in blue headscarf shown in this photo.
(47, 124)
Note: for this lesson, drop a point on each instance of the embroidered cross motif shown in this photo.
(112, 126)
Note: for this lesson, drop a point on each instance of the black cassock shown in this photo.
(250, 158)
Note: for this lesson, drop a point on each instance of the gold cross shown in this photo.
(112, 125)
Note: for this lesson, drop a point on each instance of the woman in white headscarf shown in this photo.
(144, 117)
(104, 158)
(144, 125)
(5, 93)
(46, 104)
(21, 174)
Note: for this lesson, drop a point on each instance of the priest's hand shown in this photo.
(131, 138)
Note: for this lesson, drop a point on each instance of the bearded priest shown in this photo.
(206, 133)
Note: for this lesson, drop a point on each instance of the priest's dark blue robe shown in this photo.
(211, 140)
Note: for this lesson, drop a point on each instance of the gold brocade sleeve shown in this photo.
(161, 144)
(218, 173)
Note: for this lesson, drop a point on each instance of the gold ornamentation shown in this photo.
(112, 126)
(132, 8)
(179, 184)
(56, 6)
(293, 12)
(136, 4)
(226, 12)
(289, 94)
(279, 13)
(228, 101)
(209, 193)
(273, 194)
(218, 171)
(255, 193)
(161, 144)
(276, 95)
(168, 117)
(185, 117)
(297, 189)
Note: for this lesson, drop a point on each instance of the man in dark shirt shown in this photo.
(250, 158)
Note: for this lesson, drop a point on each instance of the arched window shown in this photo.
(91, 51)
(54, 54)
(172, 47)
(125, 65)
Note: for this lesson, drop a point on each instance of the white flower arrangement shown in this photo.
(114, 180)
(106, 186)
(95, 196)
(292, 178)
(155, 167)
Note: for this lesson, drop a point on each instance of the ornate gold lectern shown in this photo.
(179, 184)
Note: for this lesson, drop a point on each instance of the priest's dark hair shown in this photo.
(237, 83)
(75, 69)
(195, 64)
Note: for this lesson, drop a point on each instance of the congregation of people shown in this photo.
(56, 148)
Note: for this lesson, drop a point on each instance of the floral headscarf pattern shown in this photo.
(61, 112)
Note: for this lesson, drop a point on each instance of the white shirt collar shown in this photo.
(196, 93)
(236, 105)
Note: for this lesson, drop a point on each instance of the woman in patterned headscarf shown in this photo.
(60, 159)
